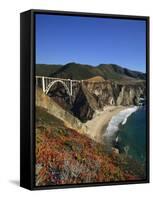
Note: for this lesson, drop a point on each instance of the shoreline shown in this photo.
(96, 127)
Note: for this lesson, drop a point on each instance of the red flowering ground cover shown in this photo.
(64, 156)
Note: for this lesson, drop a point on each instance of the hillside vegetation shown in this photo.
(80, 72)
(46, 70)
(64, 156)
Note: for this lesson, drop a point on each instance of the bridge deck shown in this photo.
(54, 78)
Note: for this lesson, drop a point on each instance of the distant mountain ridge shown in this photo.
(46, 70)
(81, 72)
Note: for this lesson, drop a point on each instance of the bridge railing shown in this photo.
(54, 78)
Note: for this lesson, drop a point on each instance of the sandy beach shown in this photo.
(97, 126)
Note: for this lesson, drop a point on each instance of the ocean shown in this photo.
(127, 132)
(132, 135)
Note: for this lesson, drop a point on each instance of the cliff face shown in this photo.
(130, 95)
(90, 96)
(51, 107)
(110, 93)
(82, 106)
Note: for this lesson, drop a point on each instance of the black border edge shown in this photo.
(31, 103)
(25, 149)
(26, 100)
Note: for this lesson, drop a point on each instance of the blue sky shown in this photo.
(86, 40)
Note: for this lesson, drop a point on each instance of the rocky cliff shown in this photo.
(111, 93)
(50, 106)
(89, 96)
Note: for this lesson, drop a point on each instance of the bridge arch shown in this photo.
(58, 81)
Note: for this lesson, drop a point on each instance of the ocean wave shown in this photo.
(120, 118)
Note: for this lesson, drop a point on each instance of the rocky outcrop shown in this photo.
(90, 96)
(110, 93)
(42, 100)
(130, 95)
(83, 106)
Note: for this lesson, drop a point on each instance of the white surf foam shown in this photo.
(120, 118)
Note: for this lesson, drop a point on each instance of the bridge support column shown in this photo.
(43, 83)
(71, 87)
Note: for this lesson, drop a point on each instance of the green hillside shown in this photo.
(76, 71)
(46, 70)
(82, 71)
(112, 71)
